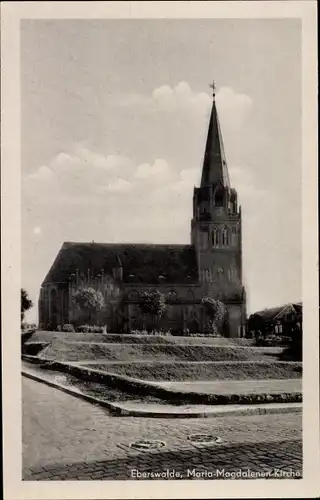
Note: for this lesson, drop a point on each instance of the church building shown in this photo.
(210, 266)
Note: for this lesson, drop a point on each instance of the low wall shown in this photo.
(140, 387)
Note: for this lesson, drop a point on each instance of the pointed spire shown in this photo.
(214, 164)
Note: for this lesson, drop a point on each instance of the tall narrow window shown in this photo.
(234, 236)
(215, 236)
(190, 295)
(219, 198)
(225, 236)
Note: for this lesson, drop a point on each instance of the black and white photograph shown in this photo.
(161, 221)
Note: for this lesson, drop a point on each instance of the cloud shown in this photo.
(159, 170)
(84, 176)
(233, 107)
(166, 98)
(245, 182)
(42, 174)
(118, 186)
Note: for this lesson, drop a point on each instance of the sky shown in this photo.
(114, 117)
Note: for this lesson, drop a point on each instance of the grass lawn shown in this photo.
(89, 351)
(204, 371)
(46, 336)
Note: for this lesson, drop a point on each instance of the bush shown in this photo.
(158, 333)
(90, 329)
(96, 329)
(216, 312)
(293, 352)
(83, 329)
(68, 328)
(272, 341)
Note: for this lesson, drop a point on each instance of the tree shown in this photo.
(88, 300)
(216, 311)
(26, 303)
(293, 352)
(153, 304)
(257, 326)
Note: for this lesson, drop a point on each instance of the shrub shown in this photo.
(68, 328)
(83, 329)
(89, 301)
(272, 341)
(96, 329)
(216, 312)
(90, 329)
(293, 352)
(152, 304)
(177, 332)
(160, 333)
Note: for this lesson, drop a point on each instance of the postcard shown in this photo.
(159, 242)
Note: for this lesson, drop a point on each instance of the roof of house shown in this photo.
(277, 312)
(140, 262)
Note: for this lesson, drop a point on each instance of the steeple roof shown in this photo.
(214, 164)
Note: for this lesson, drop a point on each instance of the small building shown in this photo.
(282, 320)
(211, 265)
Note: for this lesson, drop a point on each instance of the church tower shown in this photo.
(216, 231)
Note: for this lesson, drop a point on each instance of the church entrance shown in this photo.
(193, 326)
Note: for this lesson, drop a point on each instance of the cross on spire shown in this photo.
(213, 87)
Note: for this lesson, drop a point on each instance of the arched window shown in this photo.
(225, 236)
(190, 295)
(204, 240)
(216, 237)
(233, 273)
(218, 199)
(234, 236)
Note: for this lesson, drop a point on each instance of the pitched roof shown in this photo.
(214, 168)
(277, 312)
(146, 262)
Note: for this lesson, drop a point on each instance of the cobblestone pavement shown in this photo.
(67, 438)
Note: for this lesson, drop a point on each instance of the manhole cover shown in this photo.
(146, 444)
(204, 439)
